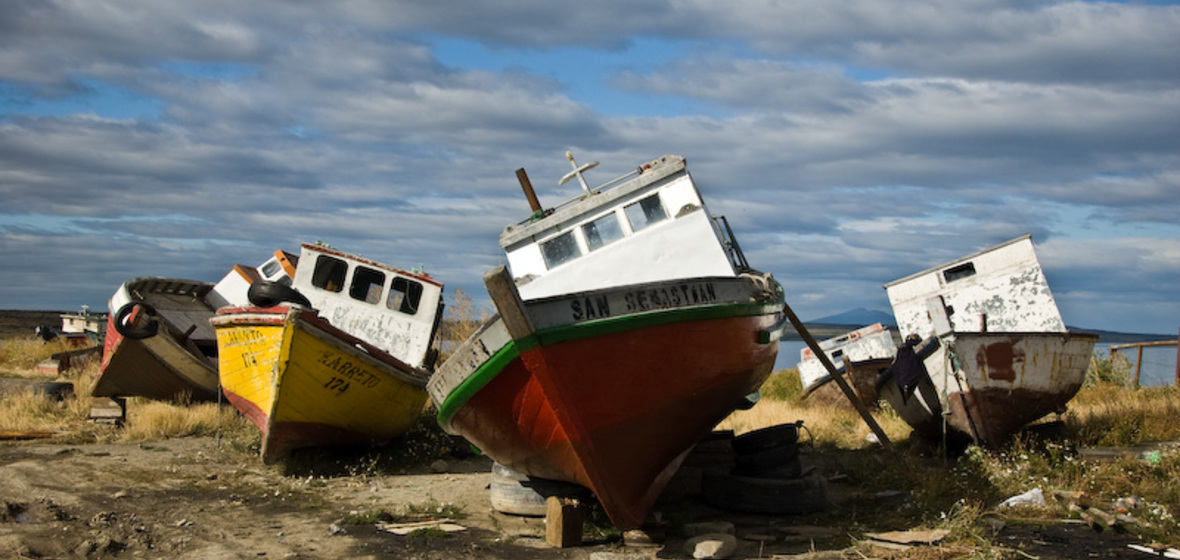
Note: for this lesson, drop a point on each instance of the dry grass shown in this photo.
(25, 411)
(18, 356)
(840, 427)
(947, 491)
(960, 491)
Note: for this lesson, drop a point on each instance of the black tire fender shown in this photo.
(766, 438)
(265, 293)
(767, 496)
(55, 390)
(137, 333)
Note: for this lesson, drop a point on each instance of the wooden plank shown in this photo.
(503, 291)
(563, 522)
(837, 378)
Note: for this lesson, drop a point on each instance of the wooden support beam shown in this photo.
(837, 378)
(563, 522)
(502, 290)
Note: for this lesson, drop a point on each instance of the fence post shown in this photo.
(1178, 359)
(1138, 363)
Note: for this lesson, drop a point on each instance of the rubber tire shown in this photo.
(127, 331)
(55, 390)
(767, 496)
(791, 469)
(265, 293)
(766, 438)
(515, 493)
(767, 459)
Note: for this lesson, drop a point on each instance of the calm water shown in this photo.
(1159, 362)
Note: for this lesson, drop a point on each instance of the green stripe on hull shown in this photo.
(511, 351)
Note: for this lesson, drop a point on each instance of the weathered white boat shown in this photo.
(998, 355)
(352, 371)
(629, 325)
(158, 342)
(859, 357)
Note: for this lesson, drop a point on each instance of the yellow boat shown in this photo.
(305, 383)
(340, 356)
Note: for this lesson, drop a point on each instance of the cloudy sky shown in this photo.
(848, 143)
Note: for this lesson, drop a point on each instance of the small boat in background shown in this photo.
(859, 356)
(311, 364)
(158, 342)
(629, 325)
(85, 328)
(997, 356)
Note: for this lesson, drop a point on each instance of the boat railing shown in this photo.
(736, 256)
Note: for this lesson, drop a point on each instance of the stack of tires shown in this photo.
(767, 476)
(516, 493)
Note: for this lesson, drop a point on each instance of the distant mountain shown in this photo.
(1109, 337)
(858, 317)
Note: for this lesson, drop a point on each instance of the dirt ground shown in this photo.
(196, 498)
(200, 498)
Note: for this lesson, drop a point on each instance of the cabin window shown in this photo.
(645, 212)
(404, 295)
(959, 272)
(269, 268)
(329, 273)
(367, 284)
(602, 231)
(560, 249)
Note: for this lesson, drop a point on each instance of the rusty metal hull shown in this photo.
(993, 384)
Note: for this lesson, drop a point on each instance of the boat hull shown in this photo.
(1005, 382)
(861, 377)
(612, 404)
(304, 383)
(178, 363)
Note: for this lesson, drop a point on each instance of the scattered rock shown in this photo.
(440, 466)
(641, 538)
(620, 556)
(712, 546)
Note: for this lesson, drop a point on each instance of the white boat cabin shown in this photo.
(232, 289)
(649, 225)
(866, 343)
(84, 322)
(1001, 289)
(392, 309)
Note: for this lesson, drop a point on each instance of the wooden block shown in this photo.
(108, 411)
(563, 522)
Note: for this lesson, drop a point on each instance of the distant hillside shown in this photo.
(1109, 337)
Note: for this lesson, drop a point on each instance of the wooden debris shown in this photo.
(910, 538)
(105, 410)
(447, 525)
(563, 522)
(1156, 550)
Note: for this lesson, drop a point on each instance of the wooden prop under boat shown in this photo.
(350, 372)
(1000, 357)
(158, 343)
(305, 383)
(611, 356)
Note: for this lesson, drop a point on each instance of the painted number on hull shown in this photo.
(337, 384)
